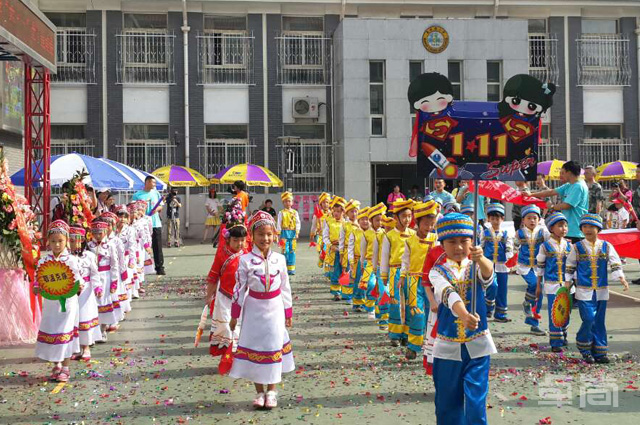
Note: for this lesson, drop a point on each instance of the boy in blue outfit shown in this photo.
(463, 344)
(552, 262)
(588, 263)
(498, 247)
(528, 240)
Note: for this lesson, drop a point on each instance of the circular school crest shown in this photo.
(435, 39)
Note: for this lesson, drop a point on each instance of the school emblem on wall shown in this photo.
(435, 39)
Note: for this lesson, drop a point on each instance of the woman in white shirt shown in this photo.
(212, 206)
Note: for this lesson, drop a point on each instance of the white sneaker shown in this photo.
(372, 315)
(271, 400)
(258, 403)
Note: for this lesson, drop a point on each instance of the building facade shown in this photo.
(316, 90)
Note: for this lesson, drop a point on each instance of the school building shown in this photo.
(316, 90)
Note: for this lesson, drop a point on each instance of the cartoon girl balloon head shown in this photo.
(430, 92)
(525, 95)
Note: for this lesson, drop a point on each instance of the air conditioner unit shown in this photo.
(305, 107)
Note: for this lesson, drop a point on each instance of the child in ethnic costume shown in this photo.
(349, 225)
(391, 262)
(221, 282)
(317, 225)
(552, 262)
(119, 305)
(108, 270)
(382, 294)
(463, 346)
(330, 236)
(127, 236)
(89, 324)
(415, 252)
(528, 240)
(588, 262)
(356, 265)
(498, 247)
(58, 333)
(262, 298)
(288, 227)
(369, 281)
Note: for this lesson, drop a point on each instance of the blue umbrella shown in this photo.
(137, 176)
(102, 174)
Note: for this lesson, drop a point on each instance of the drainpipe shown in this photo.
(343, 9)
(496, 5)
(185, 46)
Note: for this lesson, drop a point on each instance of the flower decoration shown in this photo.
(56, 282)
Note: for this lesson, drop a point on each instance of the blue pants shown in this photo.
(501, 295)
(417, 322)
(333, 271)
(490, 295)
(289, 250)
(368, 278)
(354, 281)
(382, 311)
(396, 327)
(592, 336)
(556, 335)
(461, 389)
(530, 297)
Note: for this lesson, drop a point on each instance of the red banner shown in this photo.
(625, 241)
(503, 192)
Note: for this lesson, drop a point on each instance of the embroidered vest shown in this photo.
(529, 247)
(495, 246)
(397, 240)
(419, 250)
(592, 268)
(556, 263)
(288, 219)
(450, 328)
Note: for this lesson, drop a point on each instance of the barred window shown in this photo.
(66, 138)
(456, 78)
(494, 81)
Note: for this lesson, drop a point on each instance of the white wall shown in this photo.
(603, 105)
(226, 105)
(145, 105)
(288, 93)
(68, 104)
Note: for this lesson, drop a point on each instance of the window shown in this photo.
(415, 68)
(599, 26)
(227, 131)
(226, 144)
(308, 156)
(376, 97)
(75, 49)
(494, 81)
(146, 147)
(68, 20)
(456, 78)
(613, 131)
(146, 50)
(537, 26)
(304, 51)
(68, 139)
(545, 131)
(226, 51)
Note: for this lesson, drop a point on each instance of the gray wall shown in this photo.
(559, 110)
(397, 41)
(94, 91)
(114, 91)
(576, 98)
(256, 92)
(196, 94)
(274, 98)
(176, 91)
(630, 94)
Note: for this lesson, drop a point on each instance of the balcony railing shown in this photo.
(146, 155)
(75, 56)
(543, 57)
(145, 57)
(218, 154)
(603, 60)
(600, 151)
(63, 147)
(548, 149)
(304, 59)
(225, 58)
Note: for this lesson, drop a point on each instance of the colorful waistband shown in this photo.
(104, 268)
(264, 295)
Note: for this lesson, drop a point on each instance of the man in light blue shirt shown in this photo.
(441, 194)
(154, 205)
(465, 197)
(574, 196)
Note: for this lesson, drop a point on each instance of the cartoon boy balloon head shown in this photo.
(525, 95)
(430, 92)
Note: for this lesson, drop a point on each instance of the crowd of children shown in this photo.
(108, 264)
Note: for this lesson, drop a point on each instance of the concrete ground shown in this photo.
(150, 372)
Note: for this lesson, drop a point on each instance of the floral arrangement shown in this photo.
(20, 233)
(76, 202)
(233, 215)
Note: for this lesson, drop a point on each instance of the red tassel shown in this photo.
(312, 244)
(384, 300)
(374, 292)
(512, 261)
(344, 279)
(226, 361)
(535, 313)
(282, 243)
